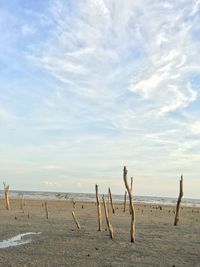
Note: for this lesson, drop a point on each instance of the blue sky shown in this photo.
(87, 87)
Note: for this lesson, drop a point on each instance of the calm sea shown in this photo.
(91, 197)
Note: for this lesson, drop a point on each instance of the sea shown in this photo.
(188, 202)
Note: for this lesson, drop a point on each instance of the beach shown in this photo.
(59, 242)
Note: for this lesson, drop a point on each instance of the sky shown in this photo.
(89, 86)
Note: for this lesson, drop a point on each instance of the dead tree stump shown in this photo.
(98, 208)
(176, 220)
(110, 228)
(46, 210)
(7, 198)
(125, 201)
(75, 220)
(111, 200)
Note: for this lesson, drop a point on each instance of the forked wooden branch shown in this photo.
(131, 204)
(110, 228)
(98, 209)
(176, 220)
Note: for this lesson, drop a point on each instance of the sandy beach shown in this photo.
(158, 242)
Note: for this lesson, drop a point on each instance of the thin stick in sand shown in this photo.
(75, 220)
(108, 201)
(98, 208)
(111, 200)
(7, 198)
(110, 228)
(125, 201)
(176, 220)
(46, 210)
(132, 193)
(131, 205)
(22, 203)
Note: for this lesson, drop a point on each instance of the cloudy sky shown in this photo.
(89, 86)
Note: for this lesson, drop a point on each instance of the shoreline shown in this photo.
(184, 205)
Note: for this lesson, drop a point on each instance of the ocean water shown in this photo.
(91, 197)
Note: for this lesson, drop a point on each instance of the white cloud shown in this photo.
(195, 127)
(51, 184)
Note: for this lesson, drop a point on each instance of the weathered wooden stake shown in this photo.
(125, 201)
(111, 200)
(131, 205)
(110, 228)
(46, 209)
(75, 220)
(176, 220)
(132, 193)
(98, 208)
(6, 192)
(74, 203)
(108, 201)
(22, 203)
(132, 184)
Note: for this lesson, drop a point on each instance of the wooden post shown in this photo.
(75, 220)
(110, 228)
(132, 193)
(125, 201)
(131, 205)
(132, 184)
(176, 220)
(98, 208)
(6, 192)
(74, 203)
(108, 201)
(46, 209)
(22, 203)
(111, 200)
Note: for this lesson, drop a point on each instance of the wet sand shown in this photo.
(158, 242)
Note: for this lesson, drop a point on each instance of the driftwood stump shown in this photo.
(7, 198)
(176, 220)
(131, 204)
(98, 209)
(108, 202)
(46, 210)
(132, 193)
(110, 228)
(111, 200)
(125, 201)
(75, 220)
(22, 203)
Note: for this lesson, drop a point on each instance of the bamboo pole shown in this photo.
(46, 210)
(176, 220)
(110, 228)
(7, 198)
(125, 201)
(111, 200)
(98, 208)
(75, 220)
(131, 205)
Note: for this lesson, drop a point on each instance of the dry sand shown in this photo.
(158, 242)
